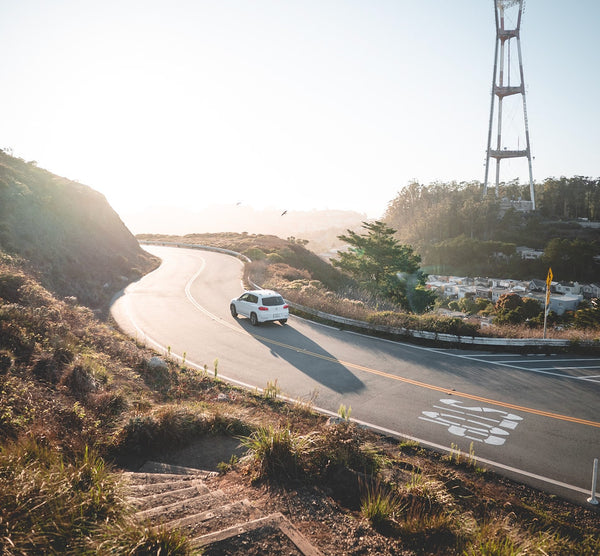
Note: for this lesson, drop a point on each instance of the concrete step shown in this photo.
(169, 496)
(149, 489)
(178, 498)
(183, 508)
(135, 478)
(166, 468)
(274, 532)
(220, 517)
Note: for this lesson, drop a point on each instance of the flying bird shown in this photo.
(284, 212)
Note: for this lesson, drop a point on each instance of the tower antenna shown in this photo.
(501, 91)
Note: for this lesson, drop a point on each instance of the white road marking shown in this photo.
(455, 419)
(571, 368)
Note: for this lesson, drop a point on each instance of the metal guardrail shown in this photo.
(405, 332)
(435, 336)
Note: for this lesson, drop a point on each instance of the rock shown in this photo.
(157, 364)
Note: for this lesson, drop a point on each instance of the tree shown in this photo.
(379, 263)
(508, 302)
(531, 308)
(572, 260)
(468, 305)
(509, 309)
(587, 317)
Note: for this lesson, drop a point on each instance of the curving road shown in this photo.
(534, 418)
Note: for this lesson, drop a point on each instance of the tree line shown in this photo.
(456, 230)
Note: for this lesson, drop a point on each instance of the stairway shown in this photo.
(178, 498)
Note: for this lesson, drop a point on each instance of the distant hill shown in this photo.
(318, 226)
(238, 218)
(67, 233)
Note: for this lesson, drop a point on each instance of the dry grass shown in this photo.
(523, 331)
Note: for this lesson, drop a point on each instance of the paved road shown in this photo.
(536, 418)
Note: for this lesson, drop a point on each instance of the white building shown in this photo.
(529, 253)
(571, 288)
(591, 290)
(561, 303)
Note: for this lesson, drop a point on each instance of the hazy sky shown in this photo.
(297, 104)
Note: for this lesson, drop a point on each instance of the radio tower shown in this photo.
(502, 88)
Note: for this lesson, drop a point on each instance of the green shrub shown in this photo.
(6, 361)
(275, 258)
(342, 447)
(16, 411)
(276, 451)
(255, 254)
(172, 427)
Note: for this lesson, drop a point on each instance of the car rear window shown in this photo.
(273, 301)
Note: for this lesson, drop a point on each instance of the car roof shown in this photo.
(263, 293)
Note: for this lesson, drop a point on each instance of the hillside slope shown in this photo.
(68, 232)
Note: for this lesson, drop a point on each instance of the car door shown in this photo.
(252, 304)
(246, 304)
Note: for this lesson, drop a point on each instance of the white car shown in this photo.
(260, 306)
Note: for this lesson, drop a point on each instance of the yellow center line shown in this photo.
(391, 376)
(431, 386)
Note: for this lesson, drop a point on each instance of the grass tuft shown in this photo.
(134, 540)
(379, 504)
(276, 450)
(50, 504)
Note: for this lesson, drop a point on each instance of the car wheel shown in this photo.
(253, 319)
(233, 311)
(282, 321)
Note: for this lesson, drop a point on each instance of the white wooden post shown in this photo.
(592, 499)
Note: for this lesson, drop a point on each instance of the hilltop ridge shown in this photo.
(68, 233)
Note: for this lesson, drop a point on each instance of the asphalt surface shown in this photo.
(533, 418)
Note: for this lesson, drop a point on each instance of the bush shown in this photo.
(172, 427)
(276, 451)
(427, 323)
(255, 254)
(133, 539)
(6, 361)
(342, 447)
(10, 284)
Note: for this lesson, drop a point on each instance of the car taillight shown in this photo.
(263, 308)
(286, 306)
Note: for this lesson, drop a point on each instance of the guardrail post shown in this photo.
(592, 499)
